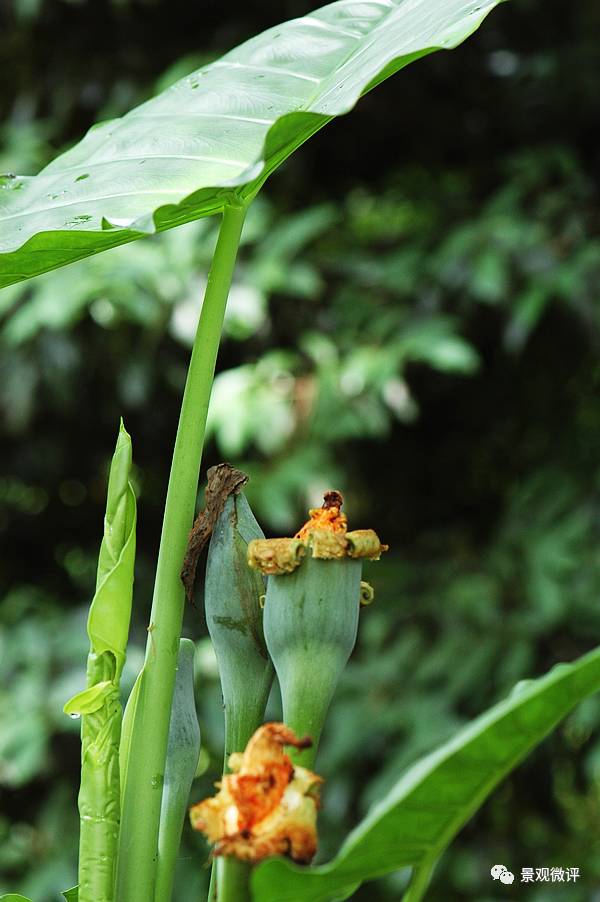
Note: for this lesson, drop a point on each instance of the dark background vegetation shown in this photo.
(415, 320)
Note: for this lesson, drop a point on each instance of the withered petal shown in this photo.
(268, 807)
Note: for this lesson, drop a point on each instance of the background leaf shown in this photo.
(438, 794)
(217, 134)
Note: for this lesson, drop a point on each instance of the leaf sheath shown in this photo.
(182, 759)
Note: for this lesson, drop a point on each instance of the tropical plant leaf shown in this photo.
(433, 799)
(14, 897)
(216, 135)
(71, 895)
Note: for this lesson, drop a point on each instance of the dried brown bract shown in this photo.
(223, 481)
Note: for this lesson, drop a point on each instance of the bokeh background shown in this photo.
(415, 321)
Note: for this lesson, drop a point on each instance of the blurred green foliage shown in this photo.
(425, 339)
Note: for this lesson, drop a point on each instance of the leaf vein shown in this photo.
(268, 70)
(327, 26)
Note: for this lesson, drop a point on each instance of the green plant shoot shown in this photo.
(99, 704)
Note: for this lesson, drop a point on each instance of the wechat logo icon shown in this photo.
(501, 873)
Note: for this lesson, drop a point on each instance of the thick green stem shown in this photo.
(230, 878)
(182, 760)
(233, 880)
(212, 888)
(146, 765)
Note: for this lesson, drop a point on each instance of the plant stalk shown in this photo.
(183, 750)
(99, 791)
(232, 880)
(420, 880)
(144, 778)
(99, 704)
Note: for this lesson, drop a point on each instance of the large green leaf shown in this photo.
(215, 136)
(430, 803)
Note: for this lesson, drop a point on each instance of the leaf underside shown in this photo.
(433, 799)
(215, 136)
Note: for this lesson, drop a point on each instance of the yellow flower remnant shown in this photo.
(275, 555)
(327, 518)
(325, 533)
(267, 806)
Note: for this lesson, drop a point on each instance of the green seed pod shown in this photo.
(311, 622)
(311, 612)
(233, 594)
(182, 759)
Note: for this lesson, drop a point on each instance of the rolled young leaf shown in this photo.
(99, 704)
(182, 759)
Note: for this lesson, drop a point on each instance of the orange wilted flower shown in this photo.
(267, 806)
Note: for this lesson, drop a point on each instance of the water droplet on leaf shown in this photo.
(77, 220)
(10, 180)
